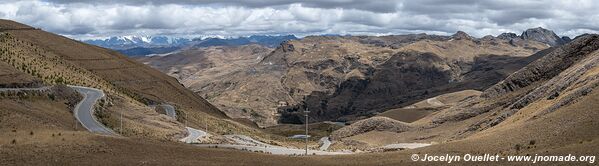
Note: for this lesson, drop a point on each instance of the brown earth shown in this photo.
(75, 147)
(408, 114)
(416, 71)
(349, 77)
(130, 86)
(58, 59)
(548, 108)
(214, 72)
(545, 108)
(13, 78)
(423, 108)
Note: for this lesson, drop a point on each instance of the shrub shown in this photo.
(532, 142)
(52, 97)
(518, 147)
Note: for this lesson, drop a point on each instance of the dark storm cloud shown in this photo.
(246, 17)
(511, 16)
(385, 6)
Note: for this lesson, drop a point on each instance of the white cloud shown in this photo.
(236, 18)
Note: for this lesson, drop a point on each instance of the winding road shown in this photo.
(325, 143)
(243, 142)
(84, 111)
(194, 135)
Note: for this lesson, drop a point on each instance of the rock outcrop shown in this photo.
(419, 70)
(559, 77)
(542, 35)
(547, 67)
(508, 36)
(346, 78)
(461, 35)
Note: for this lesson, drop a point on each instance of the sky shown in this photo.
(230, 18)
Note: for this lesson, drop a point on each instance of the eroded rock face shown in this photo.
(548, 67)
(508, 36)
(348, 77)
(560, 77)
(550, 98)
(461, 35)
(411, 75)
(542, 35)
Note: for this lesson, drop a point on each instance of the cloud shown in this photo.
(245, 17)
(386, 6)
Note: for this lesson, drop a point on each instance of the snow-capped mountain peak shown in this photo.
(131, 41)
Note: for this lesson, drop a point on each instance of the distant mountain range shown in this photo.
(147, 45)
(268, 41)
(537, 34)
(128, 42)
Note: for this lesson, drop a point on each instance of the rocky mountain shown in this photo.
(264, 40)
(214, 71)
(461, 35)
(548, 104)
(38, 111)
(201, 66)
(508, 36)
(148, 51)
(151, 45)
(127, 42)
(413, 72)
(543, 35)
(537, 34)
(344, 78)
(504, 95)
(562, 77)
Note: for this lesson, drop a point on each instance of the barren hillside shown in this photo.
(418, 70)
(32, 58)
(349, 77)
(546, 107)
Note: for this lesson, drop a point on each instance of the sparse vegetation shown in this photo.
(502, 119)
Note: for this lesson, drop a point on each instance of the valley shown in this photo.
(343, 78)
(318, 99)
